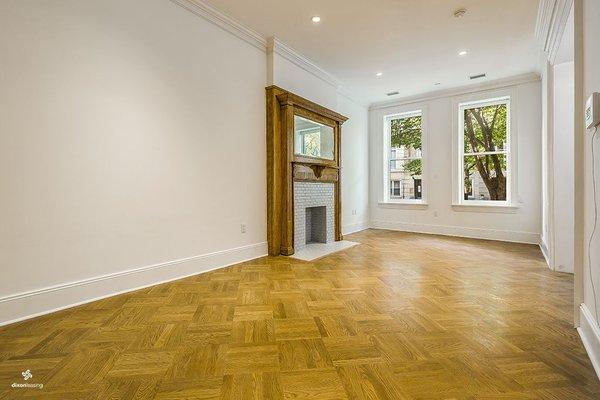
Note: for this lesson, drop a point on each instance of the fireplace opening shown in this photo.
(316, 225)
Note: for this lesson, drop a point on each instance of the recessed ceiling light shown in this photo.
(316, 19)
(379, 74)
(462, 53)
(460, 13)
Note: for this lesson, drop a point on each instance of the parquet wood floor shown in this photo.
(401, 316)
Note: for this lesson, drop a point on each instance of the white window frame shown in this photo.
(386, 195)
(508, 97)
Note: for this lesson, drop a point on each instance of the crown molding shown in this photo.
(550, 25)
(276, 46)
(270, 46)
(211, 14)
(343, 91)
(457, 91)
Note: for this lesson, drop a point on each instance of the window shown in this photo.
(395, 189)
(484, 152)
(404, 157)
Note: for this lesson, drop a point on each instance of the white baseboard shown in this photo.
(353, 228)
(474, 233)
(590, 336)
(546, 254)
(22, 306)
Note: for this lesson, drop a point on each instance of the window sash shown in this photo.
(506, 152)
(390, 157)
(485, 153)
(395, 186)
(405, 158)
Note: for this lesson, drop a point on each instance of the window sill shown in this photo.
(405, 205)
(486, 208)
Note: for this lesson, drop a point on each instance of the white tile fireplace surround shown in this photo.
(309, 200)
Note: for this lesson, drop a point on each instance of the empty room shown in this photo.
(310, 200)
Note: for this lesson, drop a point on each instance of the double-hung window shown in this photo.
(484, 152)
(404, 157)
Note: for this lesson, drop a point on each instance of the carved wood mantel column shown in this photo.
(285, 164)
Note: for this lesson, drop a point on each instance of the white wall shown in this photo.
(439, 216)
(590, 330)
(290, 76)
(591, 84)
(563, 161)
(130, 136)
(300, 78)
(355, 165)
(546, 237)
(558, 102)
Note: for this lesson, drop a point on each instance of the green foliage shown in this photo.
(406, 133)
(487, 161)
(485, 128)
(414, 167)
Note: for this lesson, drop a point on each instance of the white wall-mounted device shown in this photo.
(592, 111)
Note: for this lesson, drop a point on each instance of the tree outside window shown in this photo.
(485, 151)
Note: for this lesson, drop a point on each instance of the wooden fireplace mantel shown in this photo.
(284, 166)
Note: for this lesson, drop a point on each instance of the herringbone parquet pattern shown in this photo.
(402, 316)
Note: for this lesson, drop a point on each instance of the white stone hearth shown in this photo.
(317, 250)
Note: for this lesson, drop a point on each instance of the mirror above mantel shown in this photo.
(313, 139)
(303, 166)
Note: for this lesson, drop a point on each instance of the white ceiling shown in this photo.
(413, 42)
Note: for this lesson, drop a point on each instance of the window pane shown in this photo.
(485, 128)
(405, 137)
(395, 189)
(405, 179)
(405, 166)
(485, 177)
(312, 138)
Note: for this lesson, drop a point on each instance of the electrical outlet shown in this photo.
(435, 214)
(354, 212)
(243, 228)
